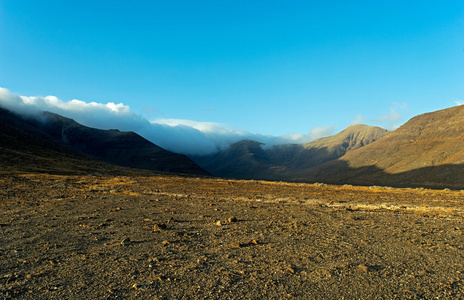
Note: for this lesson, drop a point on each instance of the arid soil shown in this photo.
(172, 237)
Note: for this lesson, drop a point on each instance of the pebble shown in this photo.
(159, 227)
(364, 268)
(137, 285)
(237, 245)
(240, 245)
(291, 270)
(126, 242)
(422, 273)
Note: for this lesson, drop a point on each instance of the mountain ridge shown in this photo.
(426, 151)
(113, 146)
(250, 160)
(428, 142)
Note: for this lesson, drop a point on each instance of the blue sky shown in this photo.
(264, 67)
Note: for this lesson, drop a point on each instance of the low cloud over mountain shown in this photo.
(180, 136)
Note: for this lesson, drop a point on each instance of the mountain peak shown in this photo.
(351, 138)
(428, 150)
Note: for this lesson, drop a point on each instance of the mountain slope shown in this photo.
(428, 150)
(325, 149)
(20, 151)
(121, 148)
(244, 159)
(250, 160)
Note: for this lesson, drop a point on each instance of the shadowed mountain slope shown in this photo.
(23, 152)
(244, 159)
(325, 149)
(113, 146)
(428, 150)
(251, 160)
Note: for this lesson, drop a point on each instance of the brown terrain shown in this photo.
(113, 146)
(72, 227)
(427, 151)
(253, 160)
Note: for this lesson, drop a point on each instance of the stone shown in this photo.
(159, 227)
(291, 270)
(364, 268)
(137, 285)
(126, 242)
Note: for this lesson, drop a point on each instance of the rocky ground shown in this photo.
(154, 236)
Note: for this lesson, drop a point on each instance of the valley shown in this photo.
(81, 218)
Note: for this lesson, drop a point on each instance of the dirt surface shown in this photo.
(172, 237)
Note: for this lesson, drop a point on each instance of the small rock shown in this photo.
(219, 223)
(291, 270)
(126, 242)
(237, 245)
(232, 219)
(159, 227)
(137, 285)
(165, 243)
(364, 268)
(422, 273)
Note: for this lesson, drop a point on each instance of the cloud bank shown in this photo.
(391, 120)
(180, 136)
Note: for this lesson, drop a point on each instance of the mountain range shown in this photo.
(253, 160)
(63, 135)
(427, 151)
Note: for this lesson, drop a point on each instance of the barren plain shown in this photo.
(141, 235)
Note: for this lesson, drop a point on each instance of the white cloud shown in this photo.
(458, 102)
(202, 126)
(323, 131)
(53, 103)
(398, 114)
(360, 119)
(402, 106)
(390, 117)
(181, 136)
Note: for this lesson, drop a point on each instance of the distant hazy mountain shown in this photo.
(325, 149)
(251, 160)
(113, 146)
(428, 150)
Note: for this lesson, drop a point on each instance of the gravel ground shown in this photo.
(172, 237)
